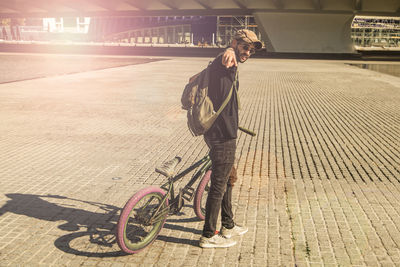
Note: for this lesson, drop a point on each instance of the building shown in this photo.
(196, 30)
(155, 30)
(367, 31)
(77, 25)
(46, 29)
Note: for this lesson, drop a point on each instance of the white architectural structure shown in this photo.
(75, 25)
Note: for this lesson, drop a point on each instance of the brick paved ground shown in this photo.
(319, 184)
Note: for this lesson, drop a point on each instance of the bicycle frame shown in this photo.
(187, 192)
(188, 189)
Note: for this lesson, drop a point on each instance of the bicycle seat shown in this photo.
(168, 167)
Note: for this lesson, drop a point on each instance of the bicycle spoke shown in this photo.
(159, 217)
(144, 206)
(148, 202)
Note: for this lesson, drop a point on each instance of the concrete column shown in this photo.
(306, 32)
(363, 38)
(183, 34)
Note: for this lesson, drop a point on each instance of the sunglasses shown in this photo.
(248, 48)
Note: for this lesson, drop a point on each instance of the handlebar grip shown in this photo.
(247, 131)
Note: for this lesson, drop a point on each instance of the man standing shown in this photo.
(221, 139)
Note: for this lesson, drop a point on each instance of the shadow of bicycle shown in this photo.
(92, 243)
(91, 233)
(98, 236)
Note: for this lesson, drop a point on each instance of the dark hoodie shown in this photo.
(221, 80)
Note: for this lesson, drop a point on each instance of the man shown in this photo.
(221, 139)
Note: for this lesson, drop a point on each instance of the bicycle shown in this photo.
(145, 213)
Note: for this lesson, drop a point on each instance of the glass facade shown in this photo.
(376, 31)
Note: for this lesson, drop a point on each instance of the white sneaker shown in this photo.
(216, 241)
(236, 230)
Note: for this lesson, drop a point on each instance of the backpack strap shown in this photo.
(236, 91)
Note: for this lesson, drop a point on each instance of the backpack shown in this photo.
(200, 109)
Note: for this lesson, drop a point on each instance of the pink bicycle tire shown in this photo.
(125, 214)
(198, 209)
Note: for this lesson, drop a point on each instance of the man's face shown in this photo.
(244, 51)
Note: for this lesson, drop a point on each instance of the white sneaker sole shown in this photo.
(229, 236)
(217, 246)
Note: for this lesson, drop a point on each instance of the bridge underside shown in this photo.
(309, 26)
(306, 33)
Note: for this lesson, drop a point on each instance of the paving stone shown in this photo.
(318, 184)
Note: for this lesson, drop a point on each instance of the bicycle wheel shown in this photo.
(138, 225)
(200, 198)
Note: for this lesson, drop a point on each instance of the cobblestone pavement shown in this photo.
(319, 184)
(19, 67)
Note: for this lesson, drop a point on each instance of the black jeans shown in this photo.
(222, 153)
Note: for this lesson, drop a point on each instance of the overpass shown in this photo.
(299, 26)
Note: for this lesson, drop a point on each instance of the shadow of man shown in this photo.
(97, 238)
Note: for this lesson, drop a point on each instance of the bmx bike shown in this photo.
(145, 213)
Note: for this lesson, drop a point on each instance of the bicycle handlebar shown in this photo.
(247, 131)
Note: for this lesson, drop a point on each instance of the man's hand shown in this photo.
(229, 58)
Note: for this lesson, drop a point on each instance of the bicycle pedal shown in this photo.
(177, 203)
(176, 207)
(188, 193)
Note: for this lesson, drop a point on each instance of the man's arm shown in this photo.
(229, 58)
